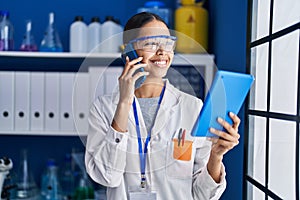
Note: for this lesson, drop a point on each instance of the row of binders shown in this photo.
(52, 102)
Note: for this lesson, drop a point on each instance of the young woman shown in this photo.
(139, 143)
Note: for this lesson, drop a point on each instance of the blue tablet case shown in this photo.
(227, 94)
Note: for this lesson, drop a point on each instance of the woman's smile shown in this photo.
(161, 63)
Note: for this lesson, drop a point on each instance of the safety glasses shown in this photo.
(153, 43)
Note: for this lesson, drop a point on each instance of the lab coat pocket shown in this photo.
(183, 151)
(179, 160)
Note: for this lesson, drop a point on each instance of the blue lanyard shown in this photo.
(143, 154)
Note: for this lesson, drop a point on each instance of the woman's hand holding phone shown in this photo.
(126, 87)
(129, 77)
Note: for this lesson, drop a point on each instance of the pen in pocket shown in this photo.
(182, 146)
(183, 137)
(179, 136)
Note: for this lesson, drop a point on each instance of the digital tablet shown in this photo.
(226, 94)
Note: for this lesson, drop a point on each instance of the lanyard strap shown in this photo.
(143, 154)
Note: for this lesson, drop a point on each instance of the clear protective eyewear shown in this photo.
(153, 43)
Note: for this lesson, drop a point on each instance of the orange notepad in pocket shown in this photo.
(182, 151)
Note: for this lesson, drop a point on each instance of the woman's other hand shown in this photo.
(225, 141)
(228, 139)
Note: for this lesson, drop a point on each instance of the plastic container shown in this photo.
(51, 41)
(191, 23)
(28, 43)
(6, 32)
(119, 38)
(78, 35)
(111, 33)
(94, 35)
(159, 8)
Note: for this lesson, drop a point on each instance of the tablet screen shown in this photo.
(227, 94)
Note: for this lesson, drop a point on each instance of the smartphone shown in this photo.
(131, 53)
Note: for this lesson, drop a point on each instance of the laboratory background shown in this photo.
(51, 70)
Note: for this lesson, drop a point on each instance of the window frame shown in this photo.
(247, 179)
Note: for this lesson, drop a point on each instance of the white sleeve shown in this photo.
(204, 186)
(105, 156)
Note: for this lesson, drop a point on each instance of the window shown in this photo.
(272, 166)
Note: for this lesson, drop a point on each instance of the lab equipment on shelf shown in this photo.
(191, 25)
(111, 35)
(78, 35)
(159, 8)
(50, 185)
(51, 41)
(84, 190)
(94, 35)
(26, 185)
(67, 178)
(28, 43)
(6, 32)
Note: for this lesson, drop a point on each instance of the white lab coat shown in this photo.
(112, 157)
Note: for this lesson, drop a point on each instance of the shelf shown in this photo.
(73, 62)
(42, 133)
(54, 61)
(57, 54)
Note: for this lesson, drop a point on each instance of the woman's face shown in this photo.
(160, 59)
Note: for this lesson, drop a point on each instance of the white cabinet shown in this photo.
(61, 112)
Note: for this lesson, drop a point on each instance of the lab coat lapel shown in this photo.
(168, 105)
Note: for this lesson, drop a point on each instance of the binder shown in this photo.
(81, 102)
(37, 84)
(51, 101)
(97, 87)
(7, 86)
(22, 97)
(111, 79)
(66, 114)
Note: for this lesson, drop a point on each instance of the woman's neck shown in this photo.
(149, 89)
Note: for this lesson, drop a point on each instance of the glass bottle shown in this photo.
(50, 186)
(26, 186)
(51, 41)
(67, 178)
(84, 189)
(6, 32)
(28, 43)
